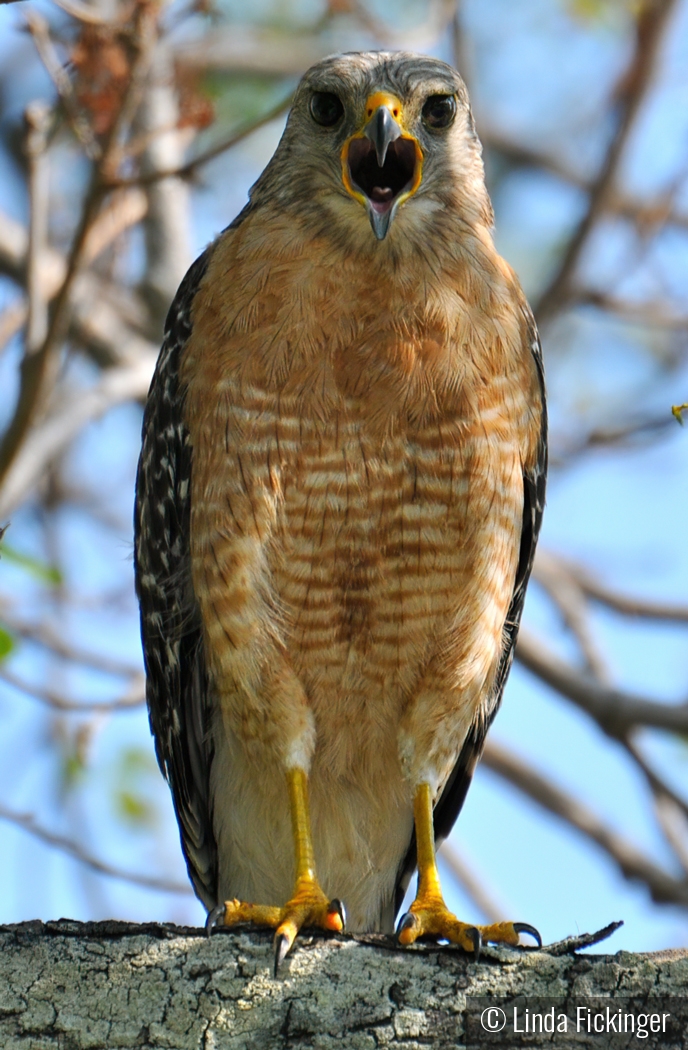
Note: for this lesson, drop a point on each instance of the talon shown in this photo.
(476, 938)
(525, 927)
(336, 915)
(213, 919)
(407, 922)
(282, 945)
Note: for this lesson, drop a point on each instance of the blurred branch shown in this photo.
(664, 887)
(658, 786)
(35, 363)
(615, 711)
(75, 410)
(631, 91)
(191, 166)
(48, 638)
(569, 598)
(134, 697)
(28, 823)
(547, 562)
(654, 213)
(37, 119)
(38, 27)
(471, 884)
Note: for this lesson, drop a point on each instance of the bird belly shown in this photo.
(368, 563)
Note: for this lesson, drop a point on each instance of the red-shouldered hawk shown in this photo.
(338, 500)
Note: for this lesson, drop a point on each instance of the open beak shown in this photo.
(382, 163)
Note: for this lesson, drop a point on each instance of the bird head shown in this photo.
(376, 141)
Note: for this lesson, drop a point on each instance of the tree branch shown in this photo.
(664, 888)
(28, 823)
(651, 23)
(615, 711)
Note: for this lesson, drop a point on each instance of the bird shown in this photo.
(338, 499)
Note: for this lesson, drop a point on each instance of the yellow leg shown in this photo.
(429, 916)
(308, 905)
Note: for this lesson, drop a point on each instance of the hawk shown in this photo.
(338, 500)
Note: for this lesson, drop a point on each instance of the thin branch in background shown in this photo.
(38, 119)
(49, 638)
(642, 608)
(615, 711)
(664, 887)
(672, 820)
(12, 320)
(191, 166)
(27, 822)
(651, 22)
(34, 365)
(135, 696)
(657, 784)
(570, 600)
(469, 882)
(40, 33)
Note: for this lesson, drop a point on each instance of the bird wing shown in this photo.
(451, 800)
(176, 674)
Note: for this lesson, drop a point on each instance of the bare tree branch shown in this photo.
(615, 711)
(549, 564)
(664, 887)
(46, 442)
(48, 637)
(651, 23)
(135, 696)
(35, 363)
(28, 823)
(471, 884)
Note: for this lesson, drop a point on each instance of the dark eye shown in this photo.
(439, 111)
(326, 108)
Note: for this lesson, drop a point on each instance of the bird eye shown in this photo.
(439, 111)
(326, 108)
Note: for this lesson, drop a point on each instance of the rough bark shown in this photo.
(70, 986)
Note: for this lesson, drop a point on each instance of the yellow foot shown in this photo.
(432, 918)
(308, 907)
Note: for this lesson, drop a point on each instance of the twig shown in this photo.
(134, 697)
(615, 711)
(28, 823)
(37, 119)
(471, 884)
(651, 22)
(44, 635)
(38, 27)
(655, 782)
(663, 887)
(34, 365)
(629, 606)
(12, 320)
(188, 169)
(570, 600)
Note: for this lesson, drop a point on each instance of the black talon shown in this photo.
(525, 927)
(406, 922)
(282, 946)
(336, 907)
(213, 916)
(477, 939)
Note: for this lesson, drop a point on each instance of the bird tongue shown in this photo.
(381, 194)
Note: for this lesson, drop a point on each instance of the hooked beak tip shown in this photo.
(382, 130)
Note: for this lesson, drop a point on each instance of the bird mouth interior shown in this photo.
(382, 185)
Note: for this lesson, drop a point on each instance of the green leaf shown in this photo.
(133, 809)
(7, 643)
(38, 569)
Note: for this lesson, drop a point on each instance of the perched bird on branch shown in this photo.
(338, 500)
